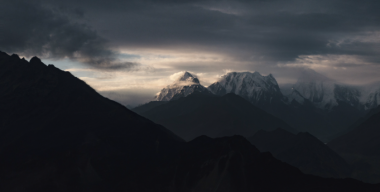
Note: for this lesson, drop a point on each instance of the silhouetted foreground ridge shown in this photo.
(58, 134)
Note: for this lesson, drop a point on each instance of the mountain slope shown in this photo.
(199, 114)
(185, 85)
(58, 134)
(303, 151)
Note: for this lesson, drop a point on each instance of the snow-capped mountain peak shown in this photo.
(322, 91)
(315, 87)
(188, 77)
(252, 86)
(184, 84)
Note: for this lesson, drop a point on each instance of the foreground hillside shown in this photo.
(58, 134)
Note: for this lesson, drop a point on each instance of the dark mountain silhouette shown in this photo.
(203, 114)
(303, 151)
(360, 147)
(58, 134)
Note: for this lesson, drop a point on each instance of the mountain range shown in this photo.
(315, 103)
(59, 134)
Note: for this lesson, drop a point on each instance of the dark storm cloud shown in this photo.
(263, 31)
(268, 31)
(31, 28)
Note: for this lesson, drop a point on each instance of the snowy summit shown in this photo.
(252, 86)
(183, 86)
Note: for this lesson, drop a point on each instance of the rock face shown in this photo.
(303, 151)
(202, 114)
(182, 87)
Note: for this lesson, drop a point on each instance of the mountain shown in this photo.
(324, 92)
(257, 89)
(183, 86)
(315, 104)
(214, 116)
(264, 92)
(314, 87)
(360, 147)
(371, 95)
(59, 134)
(303, 151)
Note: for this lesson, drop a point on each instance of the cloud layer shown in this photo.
(32, 28)
(339, 38)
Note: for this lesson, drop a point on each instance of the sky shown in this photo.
(129, 50)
